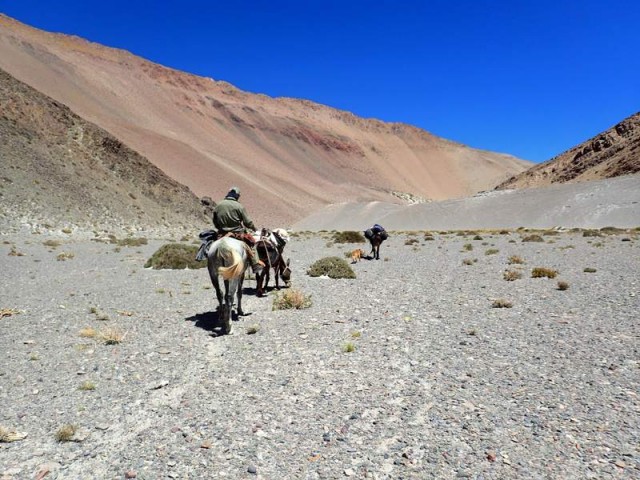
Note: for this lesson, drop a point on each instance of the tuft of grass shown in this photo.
(590, 270)
(533, 238)
(349, 347)
(130, 242)
(111, 336)
(356, 334)
(491, 251)
(467, 247)
(175, 256)
(501, 303)
(563, 285)
(511, 275)
(87, 385)
(540, 272)
(62, 256)
(13, 252)
(333, 267)
(66, 433)
(349, 237)
(515, 260)
(88, 332)
(291, 299)
(52, 243)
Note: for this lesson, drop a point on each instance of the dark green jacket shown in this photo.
(230, 216)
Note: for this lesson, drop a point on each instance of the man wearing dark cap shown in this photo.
(229, 216)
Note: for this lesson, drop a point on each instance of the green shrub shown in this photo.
(589, 270)
(349, 237)
(175, 256)
(333, 267)
(491, 251)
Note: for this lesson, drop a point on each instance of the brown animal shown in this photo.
(357, 255)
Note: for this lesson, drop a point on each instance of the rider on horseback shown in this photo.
(230, 218)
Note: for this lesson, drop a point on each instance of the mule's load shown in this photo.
(270, 246)
(376, 230)
(376, 235)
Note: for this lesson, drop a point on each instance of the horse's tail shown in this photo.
(236, 268)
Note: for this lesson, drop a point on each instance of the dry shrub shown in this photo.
(591, 233)
(515, 260)
(131, 242)
(7, 312)
(88, 332)
(411, 241)
(563, 285)
(61, 257)
(291, 299)
(469, 261)
(13, 252)
(467, 247)
(589, 270)
(540, 272)
(111, 336)
(491, 251)
(511, 275)
(533, 238)
(66, 433)
(52, 243)
(501, 303)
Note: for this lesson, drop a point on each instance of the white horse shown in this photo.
(227, 259)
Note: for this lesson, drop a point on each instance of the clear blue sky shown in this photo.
(527, 77)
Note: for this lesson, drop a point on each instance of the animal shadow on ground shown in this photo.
(211, 321)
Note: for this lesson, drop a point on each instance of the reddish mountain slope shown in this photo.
(610, 154)
(290, 156)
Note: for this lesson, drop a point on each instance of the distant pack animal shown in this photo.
(376, 235)
(227, 261)
(270, 247)
(357, 255)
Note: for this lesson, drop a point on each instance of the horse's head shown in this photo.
(285, 273)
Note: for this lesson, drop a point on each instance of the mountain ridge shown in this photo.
(290, 156)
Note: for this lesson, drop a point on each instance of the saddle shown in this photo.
(207, 237)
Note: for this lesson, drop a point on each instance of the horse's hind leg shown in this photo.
(227, 309)
(239, 295)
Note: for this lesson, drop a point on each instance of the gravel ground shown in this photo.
(439, 384)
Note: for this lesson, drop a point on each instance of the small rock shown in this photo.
(252, 469)
(349, 472)
(130, 474)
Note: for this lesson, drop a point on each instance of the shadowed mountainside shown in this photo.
(290, 156)
(59, 169)
(610, 154)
